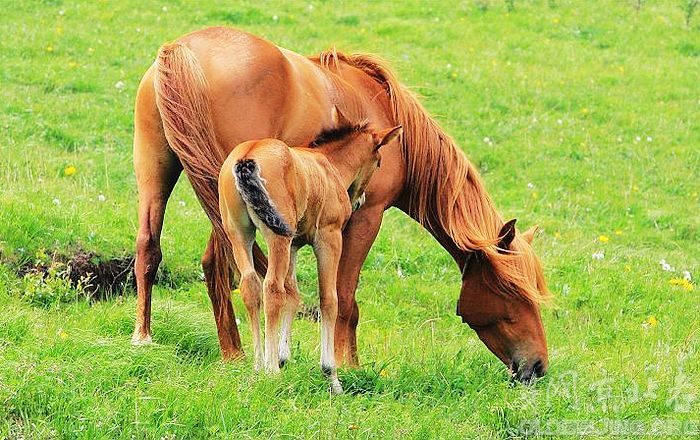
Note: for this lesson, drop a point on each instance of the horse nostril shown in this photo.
(514, 366)
(538, 368)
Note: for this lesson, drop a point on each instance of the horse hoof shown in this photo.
(336, 388)
(139, 339)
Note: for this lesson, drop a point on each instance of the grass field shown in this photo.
(584, 117)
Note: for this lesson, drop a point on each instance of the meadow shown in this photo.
(583, 117)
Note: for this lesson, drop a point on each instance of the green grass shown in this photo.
(562, 89)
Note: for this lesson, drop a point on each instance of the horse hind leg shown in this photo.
(289, 308)
(157, 170)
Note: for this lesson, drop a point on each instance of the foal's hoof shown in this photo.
(336, 388)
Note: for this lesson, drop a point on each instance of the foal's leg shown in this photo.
(291, 302)
(242, 238)
(157, 170)
(327, 248)
(274, 293)
(358, 236)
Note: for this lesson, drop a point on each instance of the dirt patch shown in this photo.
(311, 313)
(103, 276)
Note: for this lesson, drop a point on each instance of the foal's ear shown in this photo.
(530, 233)
(338, 118)
(507, 234)
(383, 137)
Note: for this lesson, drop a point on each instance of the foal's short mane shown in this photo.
(445, 188)
(339, 133)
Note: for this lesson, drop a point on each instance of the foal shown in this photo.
(295, 196)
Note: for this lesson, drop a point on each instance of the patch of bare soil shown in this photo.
(101, 276)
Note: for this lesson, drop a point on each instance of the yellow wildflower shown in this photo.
(557, 235)
(628, 268)
(63, 335)
(555, 20)
(383, 373)
(651, 321)
(585, 111)
(683, 283)
(535, 195)
(618, 232)
(603, 239)
(352, 427)
(70, 170)
(621, 69)
(236, 291)
(49, 48)
(59, 30)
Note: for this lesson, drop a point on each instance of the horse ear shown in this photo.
(530, 233)
(507, 234)
(338, 118)
(383, 137)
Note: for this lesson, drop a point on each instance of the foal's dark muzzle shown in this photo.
(526, 372)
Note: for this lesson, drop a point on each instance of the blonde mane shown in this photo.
(445, 188)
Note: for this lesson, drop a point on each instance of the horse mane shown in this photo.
(444, 187)
(339, 133)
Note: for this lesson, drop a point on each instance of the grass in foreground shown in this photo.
(582, 117)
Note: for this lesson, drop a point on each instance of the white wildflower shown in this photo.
(119, 85)
(559, 121)
(598, 255)
(101, 198)
(649, 139)
(181, 203)
(56, 201)
(164, 9)
(686, 276)
(275, 18)
(530, 185)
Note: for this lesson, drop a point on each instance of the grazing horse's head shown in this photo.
(501, 291)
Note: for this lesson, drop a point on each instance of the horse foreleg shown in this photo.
(358, 236)
(214, 264)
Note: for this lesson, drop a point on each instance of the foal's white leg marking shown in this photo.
(291, 301)
(327, 249)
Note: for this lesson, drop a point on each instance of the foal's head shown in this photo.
(501, 291)
(360, 147)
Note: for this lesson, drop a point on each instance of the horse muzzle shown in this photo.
(527, 372)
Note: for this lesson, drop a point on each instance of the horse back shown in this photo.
(259, 90)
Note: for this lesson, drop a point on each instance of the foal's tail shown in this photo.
(254, 194)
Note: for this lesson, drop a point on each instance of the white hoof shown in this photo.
(138, 339)
(336, 388)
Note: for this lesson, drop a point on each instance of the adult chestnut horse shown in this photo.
(215, 88)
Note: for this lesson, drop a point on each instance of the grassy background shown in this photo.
(582, 116)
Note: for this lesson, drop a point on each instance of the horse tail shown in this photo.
(250, 186)
(185, 108)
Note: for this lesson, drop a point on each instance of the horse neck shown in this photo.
(445, 193)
